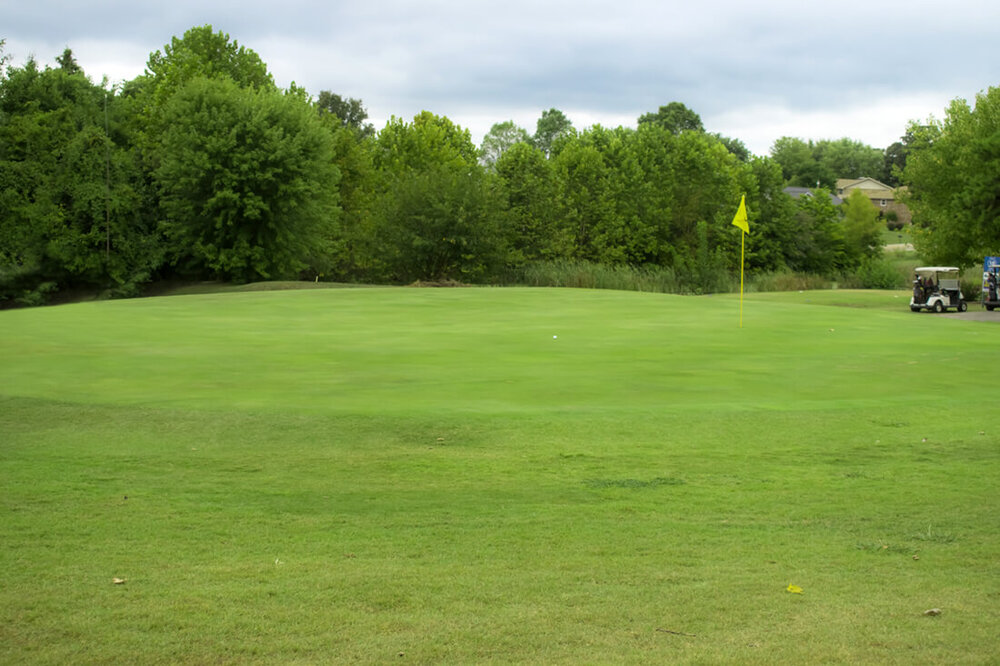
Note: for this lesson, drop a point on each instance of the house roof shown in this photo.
(872, 188)
(796, 192)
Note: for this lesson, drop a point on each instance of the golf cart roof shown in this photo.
(935, 269)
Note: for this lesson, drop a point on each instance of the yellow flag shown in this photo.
(740, 219)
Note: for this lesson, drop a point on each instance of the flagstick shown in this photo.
(743, 237)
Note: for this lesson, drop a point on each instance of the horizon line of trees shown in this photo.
(202, 168)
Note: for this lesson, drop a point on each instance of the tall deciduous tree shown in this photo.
(439, 212)
(821, 163)
(70, 193)
(201, 53)
(500, 138)
(528, 183)
(846, 158)
(862, 229)
(893, 163)
(675, 118)
(429, 140)
(204, 53)
(551, 126)
(799, 164)
(442, 223)
(953, 174)
(247, 182)
(818, 245)
(348, 111)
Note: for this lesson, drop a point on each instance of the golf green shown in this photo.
(498, 475)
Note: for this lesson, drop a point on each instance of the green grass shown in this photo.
(429, 476)
(897, 236)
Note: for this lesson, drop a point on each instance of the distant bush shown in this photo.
(588, 275)
(972, 291)
(875, 273)
(786, 281)
(892, 222)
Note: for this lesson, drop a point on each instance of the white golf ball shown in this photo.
(554, 337)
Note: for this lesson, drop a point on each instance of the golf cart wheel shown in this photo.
(989, 308)
(938, 307)
(962, 307)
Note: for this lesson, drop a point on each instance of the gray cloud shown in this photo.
(742, 66)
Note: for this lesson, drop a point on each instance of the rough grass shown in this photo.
(430, 476)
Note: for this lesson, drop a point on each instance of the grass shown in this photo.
(428, 476)
(897, 236)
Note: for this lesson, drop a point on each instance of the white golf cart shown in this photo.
(937, 288)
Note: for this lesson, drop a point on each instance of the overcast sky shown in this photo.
(755, 71)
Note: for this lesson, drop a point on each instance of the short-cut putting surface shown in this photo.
(497, 475)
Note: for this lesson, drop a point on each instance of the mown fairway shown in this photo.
(428, 476)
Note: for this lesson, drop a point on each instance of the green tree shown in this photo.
(821, 163)
(893, 163)
(768, 246)
(353, 251)
(349, 111)
(818, 245)
(799, 164)
(203, 53)
(736, 147)
(675, 118)
(551, 126)
(500, 138)
(708, 188)
(845, 158)
(71, 192)
(862, 229)
(953, 174)
(247, 182)
(428, 141)
(442, 223)
(67, 62)
(528, 184)
(585, 207)
(439, 214)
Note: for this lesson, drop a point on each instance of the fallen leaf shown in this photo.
(933, 611)
(794, 589)
(118, 581)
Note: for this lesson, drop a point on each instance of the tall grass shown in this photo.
(787, 281)
(590, 275)
(892, 271)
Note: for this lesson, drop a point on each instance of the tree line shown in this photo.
(203, 168)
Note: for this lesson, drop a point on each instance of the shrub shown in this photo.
(786, 281)
(587, 275)
(972, 291)
(875, 273)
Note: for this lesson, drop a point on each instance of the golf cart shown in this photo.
(991, 275)
(937, 288)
